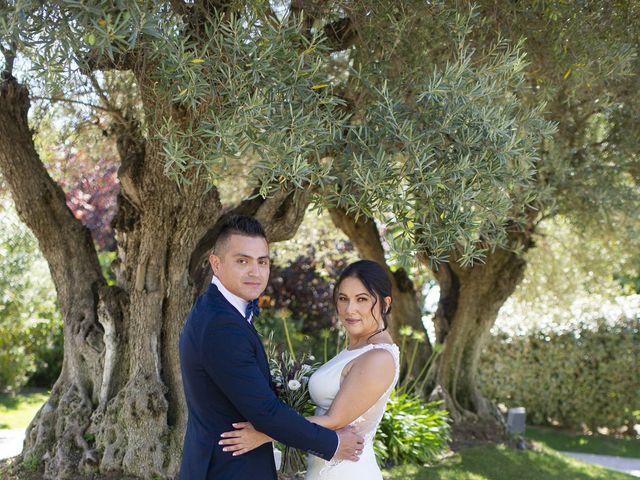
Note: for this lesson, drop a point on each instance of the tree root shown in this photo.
(55, 437)
(484, 425)
(132, 432)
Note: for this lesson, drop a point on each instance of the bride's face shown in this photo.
(356, 309)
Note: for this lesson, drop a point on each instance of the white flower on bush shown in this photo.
(294, 385)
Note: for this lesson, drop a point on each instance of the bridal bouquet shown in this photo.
(291, 378)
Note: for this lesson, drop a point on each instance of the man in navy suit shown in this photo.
(225, 371)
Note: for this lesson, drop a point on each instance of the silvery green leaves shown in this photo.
(254, 93)
(439, 144)
(448, 161)
(63, 39)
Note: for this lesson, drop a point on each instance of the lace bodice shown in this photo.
(325, 383)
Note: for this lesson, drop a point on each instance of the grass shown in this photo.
(497, 462)
(491, 462)
(571, 442)
(16, 411)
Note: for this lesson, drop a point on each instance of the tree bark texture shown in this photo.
(363, 234)
(470, 298)
(118, 405)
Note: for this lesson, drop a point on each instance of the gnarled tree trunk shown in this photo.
(118, 404)
(470, 298)
(58, 433)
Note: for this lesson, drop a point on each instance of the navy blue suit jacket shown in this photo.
(226, 379)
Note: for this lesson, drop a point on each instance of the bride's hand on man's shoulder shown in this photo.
(243, 439)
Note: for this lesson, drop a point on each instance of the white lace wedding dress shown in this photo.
(323, 387)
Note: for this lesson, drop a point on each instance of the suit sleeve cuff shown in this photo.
(337, 447)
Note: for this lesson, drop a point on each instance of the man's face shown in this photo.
(242, 265)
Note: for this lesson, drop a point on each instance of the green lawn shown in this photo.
(598, 444)
(17, 411)
(492, 462)
(497, 462)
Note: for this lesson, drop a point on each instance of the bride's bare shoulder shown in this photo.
(377, 359)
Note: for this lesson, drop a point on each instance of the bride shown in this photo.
(353, 387)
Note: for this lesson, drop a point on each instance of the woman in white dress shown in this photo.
(353, 387)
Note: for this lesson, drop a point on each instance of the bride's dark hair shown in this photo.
(374, 278)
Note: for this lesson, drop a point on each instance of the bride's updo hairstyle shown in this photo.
(374, 278)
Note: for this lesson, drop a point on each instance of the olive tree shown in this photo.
(386, 110)
(580, 72)
(224, 93)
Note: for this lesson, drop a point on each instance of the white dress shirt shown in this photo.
(239, 303)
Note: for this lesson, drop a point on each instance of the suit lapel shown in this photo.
(217, 297)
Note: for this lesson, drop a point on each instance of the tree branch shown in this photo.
(120, 61)
(110, 107)
(280, 215)
(41, 205)
(202, 12)
(363, 233)
(340, 34)
(131, 148)
(75, 102)
(9, 59)
(179, 7)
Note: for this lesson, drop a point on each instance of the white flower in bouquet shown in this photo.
(294, 385)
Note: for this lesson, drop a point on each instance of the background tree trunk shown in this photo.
(470, 298)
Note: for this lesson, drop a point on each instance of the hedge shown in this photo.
(586, 378)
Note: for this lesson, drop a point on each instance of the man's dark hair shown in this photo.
(238, 225)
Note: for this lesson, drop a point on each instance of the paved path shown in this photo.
(11, 442)
(622, 464)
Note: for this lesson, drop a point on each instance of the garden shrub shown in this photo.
(16, 364)
(411, 431)
(587, 377)
(305, 288)
(30, 324)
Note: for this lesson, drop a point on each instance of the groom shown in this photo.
(225, 371)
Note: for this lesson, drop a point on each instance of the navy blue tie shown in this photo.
(252, 308)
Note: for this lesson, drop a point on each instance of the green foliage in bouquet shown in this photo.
(291, 377)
